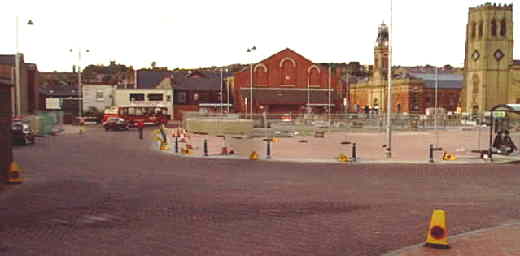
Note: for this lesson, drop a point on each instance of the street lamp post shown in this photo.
(389, 96)
(80, 89)
(18, 109)
(251, 83)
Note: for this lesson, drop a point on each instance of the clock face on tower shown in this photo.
(475, 55)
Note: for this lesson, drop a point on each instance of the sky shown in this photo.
(201, 33)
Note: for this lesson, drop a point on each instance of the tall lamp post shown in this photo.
(250, 50)
(18, 110)
(389, 96)
(80, 89)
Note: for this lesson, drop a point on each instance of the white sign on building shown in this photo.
(53, 103)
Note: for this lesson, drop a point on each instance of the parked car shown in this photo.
(22, 133)
(116, 124)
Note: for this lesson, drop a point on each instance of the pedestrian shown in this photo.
(499, 141)
(508, 142)
(140, 126)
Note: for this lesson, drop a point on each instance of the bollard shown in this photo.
(176, 145)
(354, 153)
(268, 149)
(431, 152)
(205, 147)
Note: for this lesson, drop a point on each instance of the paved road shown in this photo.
(109, 194)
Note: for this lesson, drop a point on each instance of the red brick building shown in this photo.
(286, 82)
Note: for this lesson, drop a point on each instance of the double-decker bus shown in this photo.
(149, 115)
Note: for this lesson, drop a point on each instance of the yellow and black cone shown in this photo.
(13, 174)
(437, 236)
(446, 156)
(343, 158)
(164, 146)
(253, 156)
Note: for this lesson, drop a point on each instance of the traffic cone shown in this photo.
(224, 151)
(253, 156)
(437, 236)
(13, 174)
(164, 146)
(343, 158)
(446, 156)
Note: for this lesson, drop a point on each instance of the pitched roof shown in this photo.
(55, 89)
(148, 79)
(445, 80)
(198, 80)
(286, 50)
(7, 59)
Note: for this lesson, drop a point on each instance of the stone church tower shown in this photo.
(488, 58)
(381, 54)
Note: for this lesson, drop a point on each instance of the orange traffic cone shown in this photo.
(437, 232)
(13, 174)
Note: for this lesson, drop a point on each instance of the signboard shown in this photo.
(53, 103)
(147, 104)
(499, 114)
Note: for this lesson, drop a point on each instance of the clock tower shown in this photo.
(381, 54)
(488, 57)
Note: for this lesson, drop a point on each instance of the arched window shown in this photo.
(473, 30)
(288, 67)
(503, 27)
(494, 27)
(314, 76)
(260, 74)
(480, 29)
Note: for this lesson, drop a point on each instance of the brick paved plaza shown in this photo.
(108, 193)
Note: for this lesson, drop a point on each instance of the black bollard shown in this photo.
(268, 149)
(431, 153)
(354, 153)
(140, 132)
(176, 144)
(205, 147)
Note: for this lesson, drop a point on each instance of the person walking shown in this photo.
(140, 126)
(508, 142)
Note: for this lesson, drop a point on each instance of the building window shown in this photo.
(480, 29)
(155, 97)
(473, 30)
(180, 97)
(288, 71)
(99, 95)
(315, 77)
(476, 84)
(136, 96)
(494, 27)
(260, 74)
(503, 27)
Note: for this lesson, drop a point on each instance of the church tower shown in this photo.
(381, 54)
(489, 54)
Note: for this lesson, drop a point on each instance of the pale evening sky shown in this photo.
(197, 33)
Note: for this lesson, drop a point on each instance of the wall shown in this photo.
(90, 97)
(6, 154)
